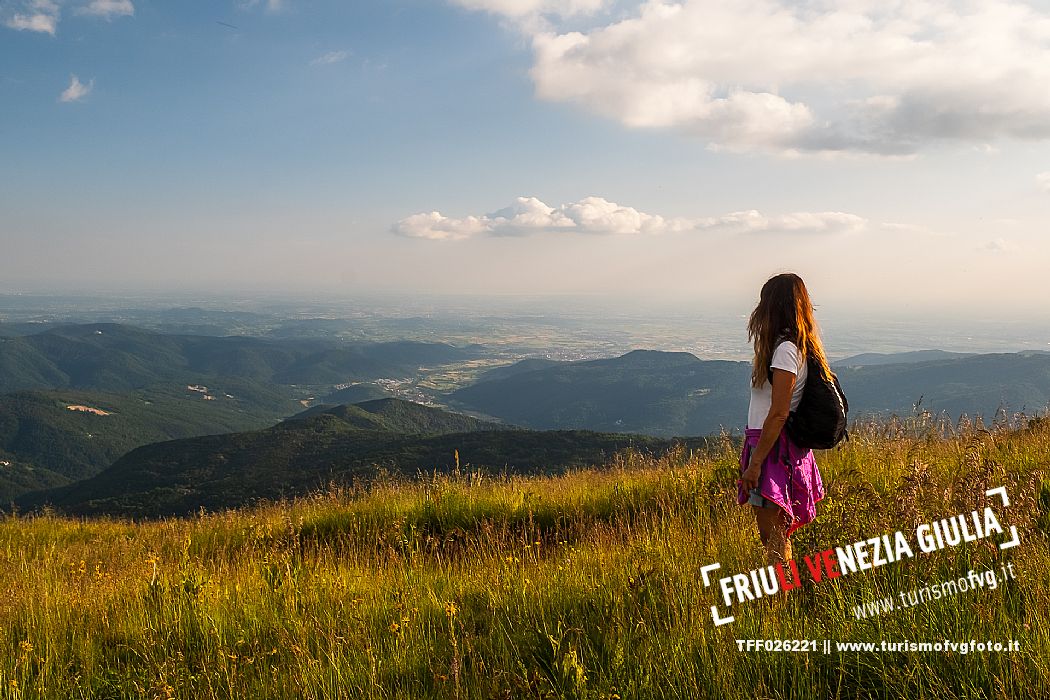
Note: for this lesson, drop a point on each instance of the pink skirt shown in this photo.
(789, 478)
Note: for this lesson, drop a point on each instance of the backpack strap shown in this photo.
(783, 334)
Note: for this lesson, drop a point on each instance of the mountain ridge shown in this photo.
(116, 357)
(178, 477)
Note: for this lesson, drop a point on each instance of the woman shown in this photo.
(780, 480)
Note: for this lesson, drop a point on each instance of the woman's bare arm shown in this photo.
(780, 407)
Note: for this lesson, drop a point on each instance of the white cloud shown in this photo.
(529, 215)
(330, 58)
(76, 90)
(1043, 180)
(595, 215)
(38, 16)
(436, 226)
(881, 77)
(108, 8)
(34, 23)
(268, 5)
(43, 15)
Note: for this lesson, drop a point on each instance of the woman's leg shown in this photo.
(772, 530)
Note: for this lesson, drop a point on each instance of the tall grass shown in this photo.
(585, 585)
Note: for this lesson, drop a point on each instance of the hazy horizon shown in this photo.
(570, 327)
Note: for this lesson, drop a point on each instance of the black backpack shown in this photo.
(819, 420)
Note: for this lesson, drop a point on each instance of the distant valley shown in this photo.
(137, 387)
(110, 418)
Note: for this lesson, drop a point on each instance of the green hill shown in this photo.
(158, 387)
(116, 358)
(971, 384)
(675, 393)
(44, 443)
(893, 358)
(397, 416)
(308, 453)
(643, 391)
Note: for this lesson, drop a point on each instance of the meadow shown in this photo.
(582, 585)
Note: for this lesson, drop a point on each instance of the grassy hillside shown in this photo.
(584, 585)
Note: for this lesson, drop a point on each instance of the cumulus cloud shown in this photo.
(37, 16)
(436, 226)
(822, 76)
(595, 215)
(329, 58)
(108, 8)
(76, 90)
(1043, 180)
(528, 215)
(43, 15)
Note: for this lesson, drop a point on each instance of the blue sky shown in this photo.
(660, 150)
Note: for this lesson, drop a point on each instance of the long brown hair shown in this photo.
(784, 311)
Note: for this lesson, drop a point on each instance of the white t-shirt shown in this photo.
(785, 356)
